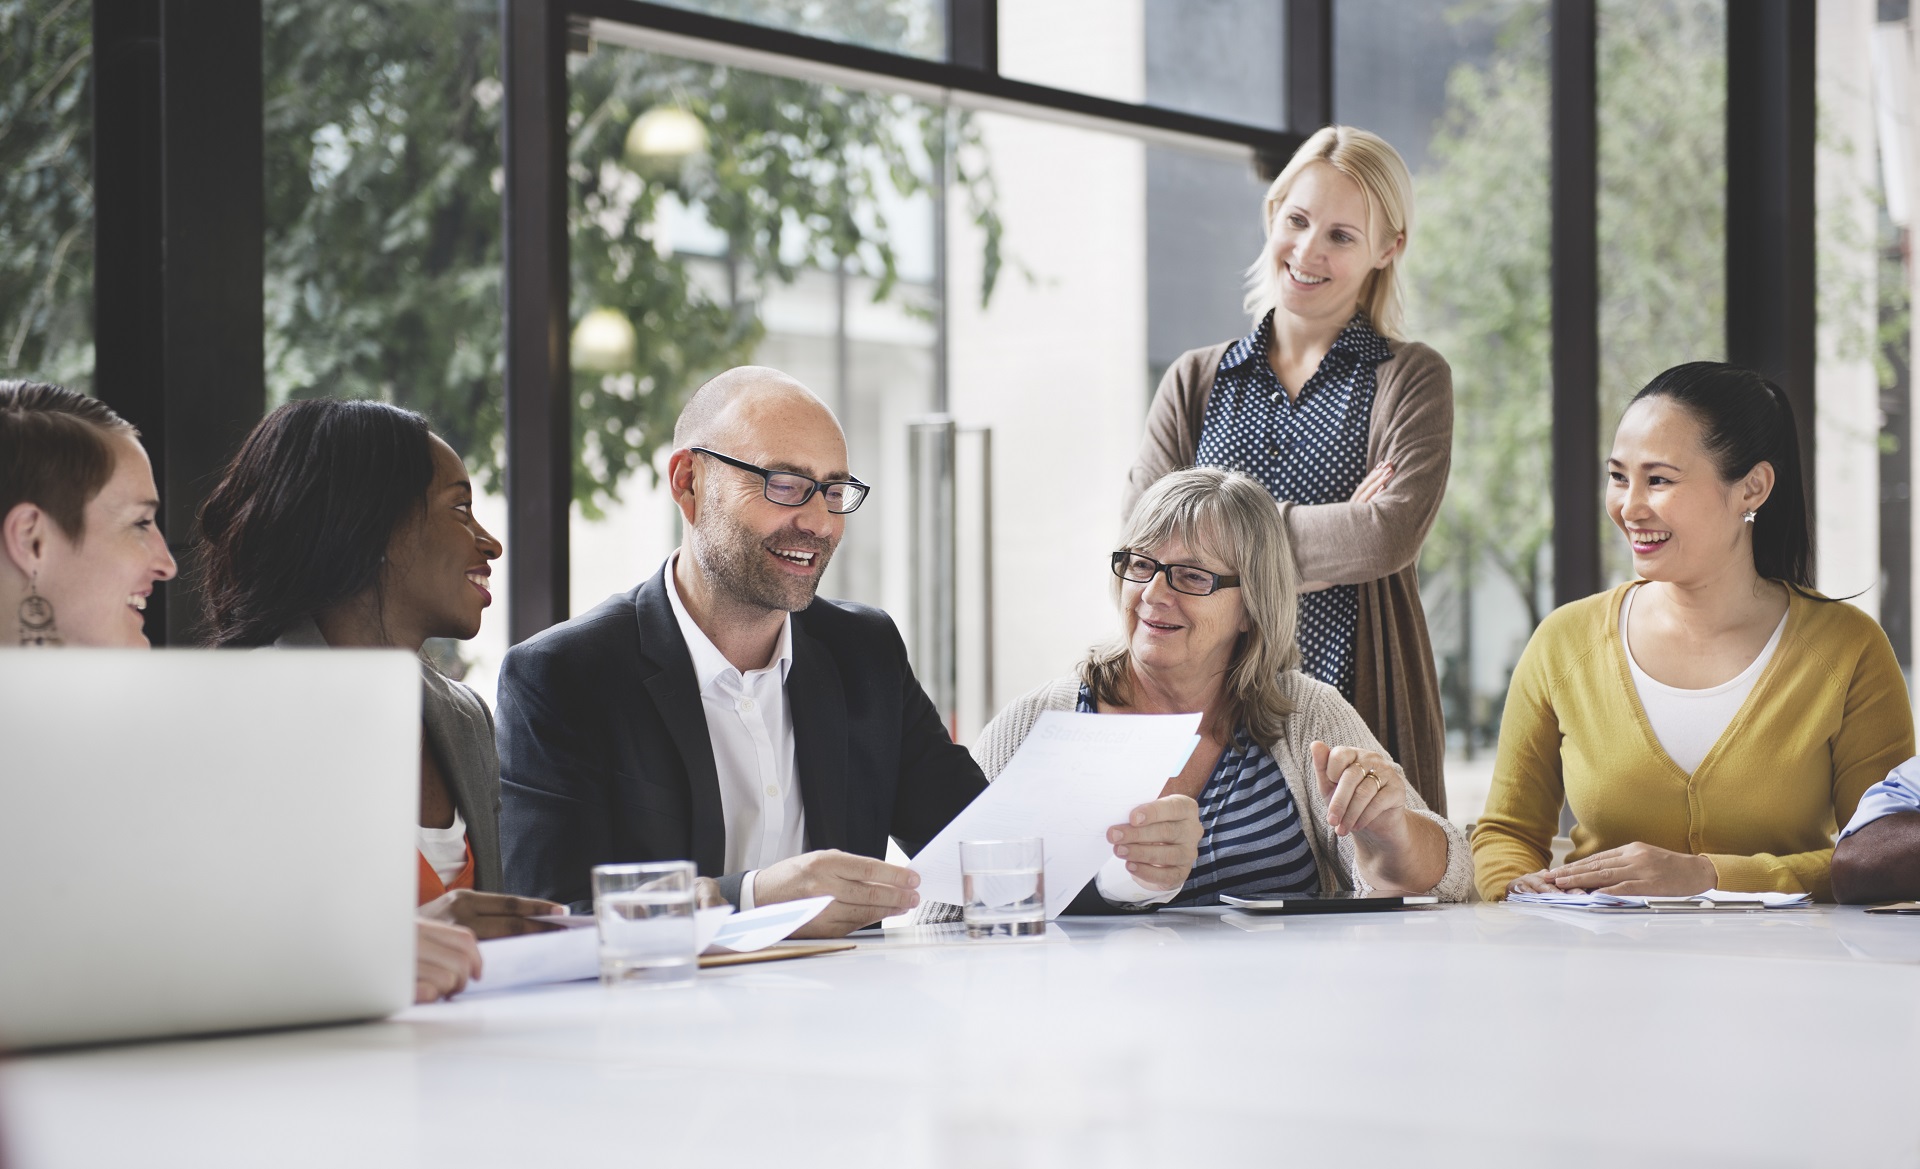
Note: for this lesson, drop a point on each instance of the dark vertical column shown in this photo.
(129, 337)
(538, 410)
(1309, 65)
(973, 34)
(215, 362)
(179, 315)
(973, 42)
(1576, 304)
(1770, 205)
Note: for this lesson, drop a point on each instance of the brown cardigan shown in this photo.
(1375, 545)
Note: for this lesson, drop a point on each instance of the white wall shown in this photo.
(1057, 365)
(1846, 385)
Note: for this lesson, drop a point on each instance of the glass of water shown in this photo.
(1004, 882)
(645, 915)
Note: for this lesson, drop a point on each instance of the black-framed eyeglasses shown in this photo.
(792, 489)
(1184, 578)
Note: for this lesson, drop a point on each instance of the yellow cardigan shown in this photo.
(1827, 718)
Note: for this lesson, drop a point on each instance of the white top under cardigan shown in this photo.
(1688, 723)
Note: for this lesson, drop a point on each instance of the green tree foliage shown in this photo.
(1481, 268)
(1481, 262)
(46, 188)
(1479, 272)
(384, 238)
(794, 175)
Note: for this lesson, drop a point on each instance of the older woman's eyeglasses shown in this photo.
(1185, 578)
(791, 489)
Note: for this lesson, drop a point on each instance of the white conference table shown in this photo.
(1479, 1035)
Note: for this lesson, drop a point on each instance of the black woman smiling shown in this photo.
(351, 524)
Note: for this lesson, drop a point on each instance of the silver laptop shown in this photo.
(199, 840)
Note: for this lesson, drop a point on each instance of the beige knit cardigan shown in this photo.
(1375, 545)
(1318, 713)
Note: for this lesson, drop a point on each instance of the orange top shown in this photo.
(431, 886)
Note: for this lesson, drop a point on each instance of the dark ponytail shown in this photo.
(1746, 420)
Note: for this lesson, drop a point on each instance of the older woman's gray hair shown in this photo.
(1231, 518)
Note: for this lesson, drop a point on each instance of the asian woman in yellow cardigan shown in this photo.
(1709, 723)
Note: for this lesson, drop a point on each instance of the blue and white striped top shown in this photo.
(1252, 840)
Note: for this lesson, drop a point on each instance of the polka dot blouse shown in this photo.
(1310, 449)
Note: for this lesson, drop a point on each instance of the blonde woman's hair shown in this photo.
(1368, 160)
(1231, 518)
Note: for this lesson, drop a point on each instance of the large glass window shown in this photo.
(1863, 429)
(914, 28)
(723, 217)
(46, 191)
(1463, 92)
(1662, 74)
(1219, 58)
(383, 236)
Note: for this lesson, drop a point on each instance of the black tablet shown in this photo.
(1342, 902)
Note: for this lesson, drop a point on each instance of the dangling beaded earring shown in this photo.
(1748, 516)
(36, 618)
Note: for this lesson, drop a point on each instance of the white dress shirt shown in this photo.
(751, 728)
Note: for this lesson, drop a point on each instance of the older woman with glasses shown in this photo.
(1294, 792)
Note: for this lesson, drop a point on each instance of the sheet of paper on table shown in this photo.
(1714, 897)
(570, 955)
(1075, 776)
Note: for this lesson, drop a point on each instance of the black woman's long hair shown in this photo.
(302, 517)
(1746, 420)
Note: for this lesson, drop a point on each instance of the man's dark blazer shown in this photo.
(604, 753)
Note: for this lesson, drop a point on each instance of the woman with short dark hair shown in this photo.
(79, 520)
(351, 524)
(1711, 722)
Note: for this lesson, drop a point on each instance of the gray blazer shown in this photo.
(459, 730)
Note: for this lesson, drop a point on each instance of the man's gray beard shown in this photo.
(735, 560)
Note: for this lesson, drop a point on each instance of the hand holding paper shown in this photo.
(1074, 777)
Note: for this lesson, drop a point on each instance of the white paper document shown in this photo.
(758, 928)
(570, 955)
(1712, 897)
(1075, 776)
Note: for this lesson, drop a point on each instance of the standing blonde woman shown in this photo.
(1348, 425)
